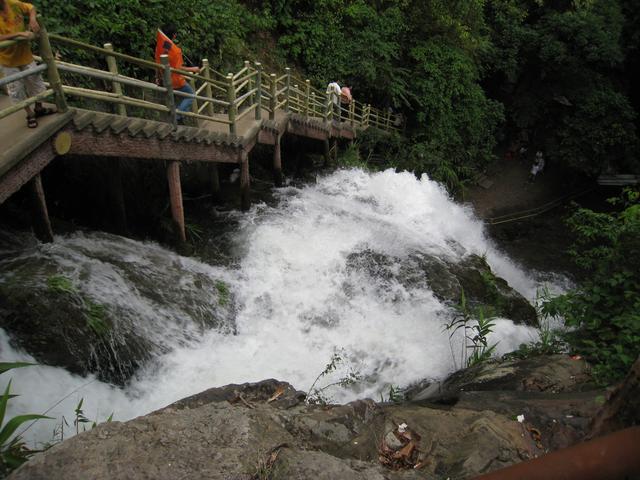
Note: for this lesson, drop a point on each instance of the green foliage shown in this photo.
(94, 313)
(95, 316)
(556, 66)
(223, 293)
(351, 158)
(550, 340)
(214, 30)
(605, 309)
(475, 331)
(395, 395)
(60, 284)
(13, 451)
(194, 232)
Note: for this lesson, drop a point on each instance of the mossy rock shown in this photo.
(447, 280)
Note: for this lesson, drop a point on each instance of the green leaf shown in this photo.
(6, 366)
(15, 422)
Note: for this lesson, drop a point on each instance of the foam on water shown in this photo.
(298, 301)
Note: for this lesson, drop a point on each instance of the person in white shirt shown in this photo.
(334, 90)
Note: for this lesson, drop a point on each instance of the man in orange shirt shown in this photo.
(17, 58)
(165, 44)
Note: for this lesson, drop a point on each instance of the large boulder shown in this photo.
(554, 394)
(51, 307)
(264, 430)
(447, 280)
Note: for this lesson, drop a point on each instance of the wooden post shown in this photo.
(208, 90)
(259, 91)
(194, 105)
(175, 197)
(334, 148)
(327, 153)
(215, 181)
(245, 183)
(40, 215)
(274, 99)
(168, 84)
(352, 113)
(277, 163)
(231, 98)
(287, 91)
(297, 102)
(328, 114)
(307, 84)
(117, 87)
(250, 82)
(52, 70)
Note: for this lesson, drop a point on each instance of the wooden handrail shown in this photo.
(12, 42)
(250, 88)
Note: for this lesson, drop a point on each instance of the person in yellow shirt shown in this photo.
(18, 58)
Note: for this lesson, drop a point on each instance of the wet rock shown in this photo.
(47, 310)
(65, 329)
(544, 373)
(208, 437)
(554, 393)
(447, 279)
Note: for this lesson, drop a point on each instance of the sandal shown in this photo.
(31, 121)
(42, 111)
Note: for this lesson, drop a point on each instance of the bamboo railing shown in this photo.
(218, 98)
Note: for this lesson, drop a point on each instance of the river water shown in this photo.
(297, 303)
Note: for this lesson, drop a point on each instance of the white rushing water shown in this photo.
(298, 302)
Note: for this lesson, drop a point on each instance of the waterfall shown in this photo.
(297, 301)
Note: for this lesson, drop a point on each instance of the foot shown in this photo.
(31, 121)
(42, 111)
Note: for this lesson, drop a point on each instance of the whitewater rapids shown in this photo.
(287, 275)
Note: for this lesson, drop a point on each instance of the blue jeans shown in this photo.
(185, 103)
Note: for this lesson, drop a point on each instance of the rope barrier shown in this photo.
(533, 212)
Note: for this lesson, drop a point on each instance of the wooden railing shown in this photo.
(218, 98)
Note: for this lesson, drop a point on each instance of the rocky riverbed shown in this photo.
(478, 420)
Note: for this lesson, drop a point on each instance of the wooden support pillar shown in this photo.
(245, 183)
(215, 181)
(117, 193)
(334, 148)
(175, 197)
(39, 214)
(327, 153)
(277, 163)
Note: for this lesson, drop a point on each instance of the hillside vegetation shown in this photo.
(465, 75)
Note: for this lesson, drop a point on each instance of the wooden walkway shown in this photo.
(230, 115)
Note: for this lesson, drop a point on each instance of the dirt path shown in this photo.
(509, 189)
(540, 242)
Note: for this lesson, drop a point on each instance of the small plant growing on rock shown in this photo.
(475, 332)
(319, 395)
(223, 293)
(60, 284)
(550, 339)
(13, 451)
(94, 313)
